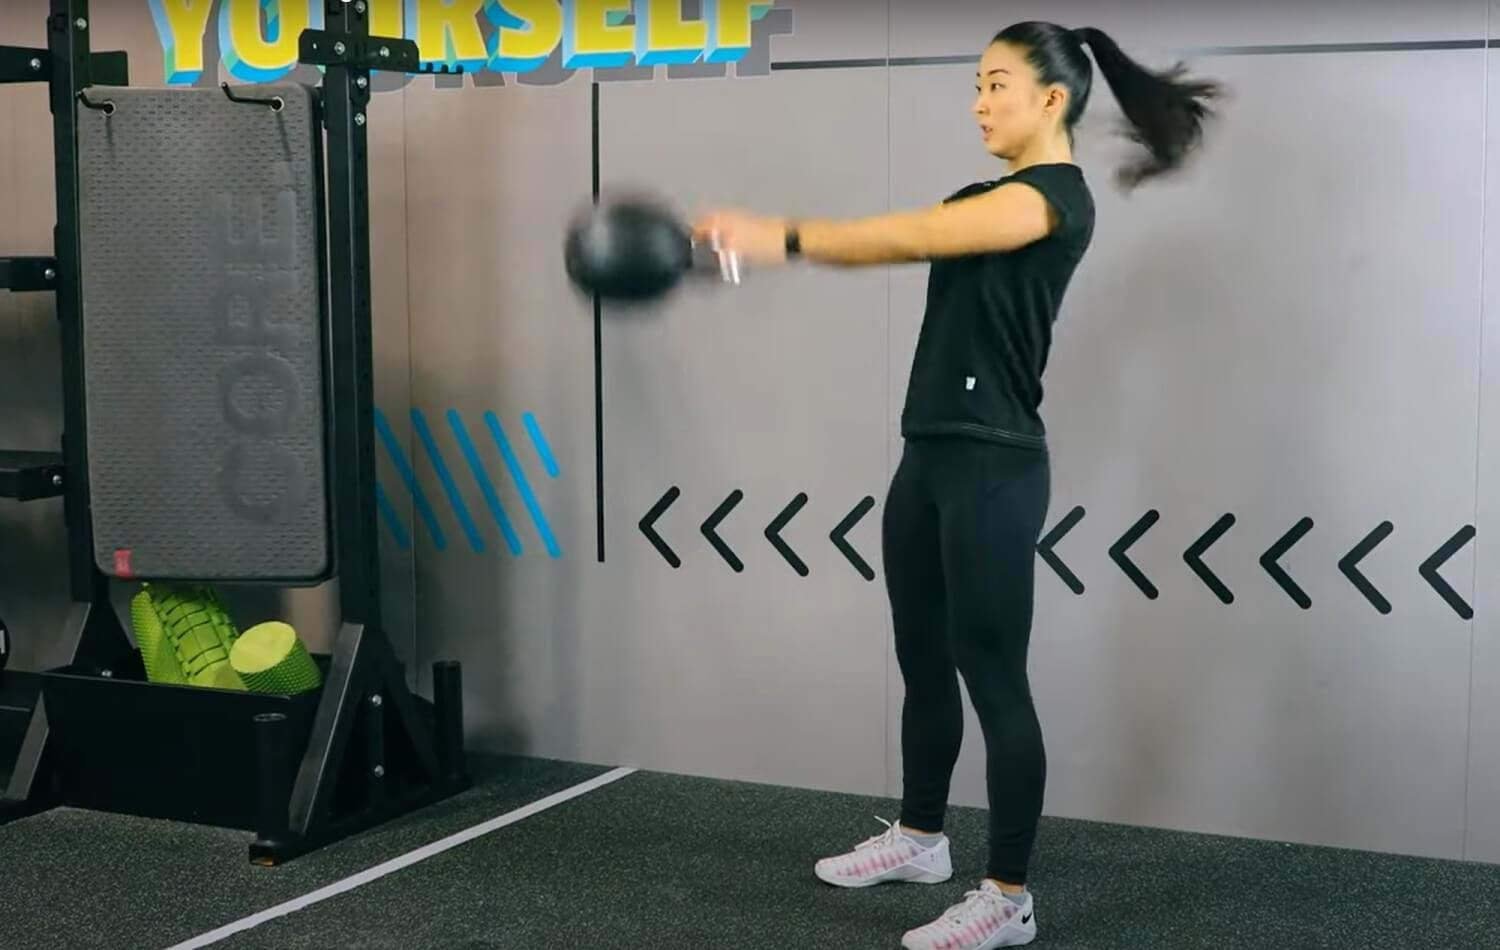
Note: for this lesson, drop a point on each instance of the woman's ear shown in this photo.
(1057, 100)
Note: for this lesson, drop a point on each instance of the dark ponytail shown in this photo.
(1165, 110)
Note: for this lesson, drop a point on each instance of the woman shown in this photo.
(969, 498)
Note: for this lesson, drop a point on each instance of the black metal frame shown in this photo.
(374, 750)
(92, 632)
(28, 273)
(24, 64)
(28, 476)
(365, 691)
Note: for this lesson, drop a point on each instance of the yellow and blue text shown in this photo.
(257, 39)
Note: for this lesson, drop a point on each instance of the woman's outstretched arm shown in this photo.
(1004, 219)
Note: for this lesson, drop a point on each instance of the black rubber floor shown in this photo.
(663, 862)
(75, 879)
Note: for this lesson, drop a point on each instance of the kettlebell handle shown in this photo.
(709, 257)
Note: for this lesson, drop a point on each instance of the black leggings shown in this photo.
(961, 525)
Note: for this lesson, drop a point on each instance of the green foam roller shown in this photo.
(188, 627)
(156, 651)
(270, 658)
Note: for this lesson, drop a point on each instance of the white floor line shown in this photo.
(405, 860)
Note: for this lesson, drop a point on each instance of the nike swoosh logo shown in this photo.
(1026, 919)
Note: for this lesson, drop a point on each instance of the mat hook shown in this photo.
(107, 106)
(275, 102)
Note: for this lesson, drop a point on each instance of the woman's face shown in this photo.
(1011, 106)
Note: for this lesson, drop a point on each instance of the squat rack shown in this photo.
(370, 750)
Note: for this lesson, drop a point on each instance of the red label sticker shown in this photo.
(122, 563)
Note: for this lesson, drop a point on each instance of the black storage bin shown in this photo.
(121, 744)
(18, 693)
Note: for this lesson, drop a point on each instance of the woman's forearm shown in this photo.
(881, 239)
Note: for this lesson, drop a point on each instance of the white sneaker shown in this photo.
(985, 920)
(891, 856)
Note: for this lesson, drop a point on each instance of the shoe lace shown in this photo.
(888, 837)
(974, 903)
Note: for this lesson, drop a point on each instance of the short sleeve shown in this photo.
(1063, 187)
(969, 191)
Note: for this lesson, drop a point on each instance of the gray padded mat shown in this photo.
(203, 340)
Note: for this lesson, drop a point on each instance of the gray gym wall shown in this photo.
(1293, 329)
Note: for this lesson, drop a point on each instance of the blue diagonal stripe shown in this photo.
(522, 484)
(418, 497)
(419, 421)
(391, 521)
(540, 441)
(456, 423)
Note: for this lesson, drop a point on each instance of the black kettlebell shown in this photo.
(628, 250)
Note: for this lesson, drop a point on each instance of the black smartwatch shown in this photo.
(793, 241)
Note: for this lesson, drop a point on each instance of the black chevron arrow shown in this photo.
(1044, 548)
(838, 537)
(1429, 571)
(1273, 555)
(647, 526)
(708, 528)
(1348, 564)
(774, 529)
(1194, 558)
(1118, 549)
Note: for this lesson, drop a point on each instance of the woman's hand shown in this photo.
(757, 240)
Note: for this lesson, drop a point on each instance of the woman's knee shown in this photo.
(995, 679)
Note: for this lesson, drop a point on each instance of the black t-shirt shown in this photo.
(988, 326)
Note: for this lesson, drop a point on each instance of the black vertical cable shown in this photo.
(598, 360)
